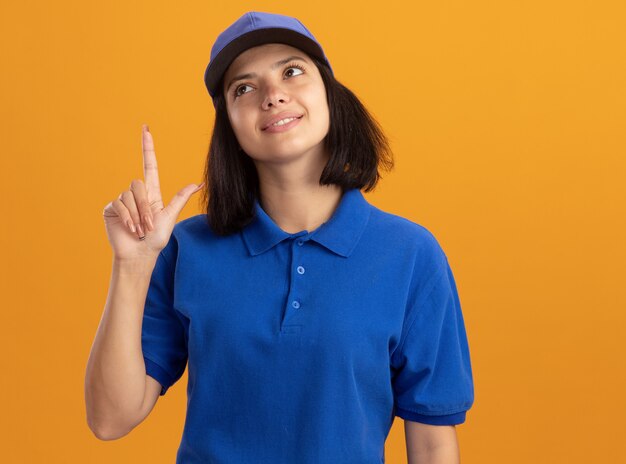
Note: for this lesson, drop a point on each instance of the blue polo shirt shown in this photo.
(303, 347)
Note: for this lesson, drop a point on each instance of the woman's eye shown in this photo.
(237, 93)
(297, 68)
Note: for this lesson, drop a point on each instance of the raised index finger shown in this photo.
(150, 169)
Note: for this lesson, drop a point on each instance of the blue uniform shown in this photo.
(303, 347)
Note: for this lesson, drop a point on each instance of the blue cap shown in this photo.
(252, 29)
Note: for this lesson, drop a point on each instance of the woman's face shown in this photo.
(280, 82)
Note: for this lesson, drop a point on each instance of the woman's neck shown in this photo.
(300, 207)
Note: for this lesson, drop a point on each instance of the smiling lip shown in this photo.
(278, 117)
(283, 127)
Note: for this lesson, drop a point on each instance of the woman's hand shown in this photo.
(136, 223)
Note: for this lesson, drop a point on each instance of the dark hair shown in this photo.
(355, 142)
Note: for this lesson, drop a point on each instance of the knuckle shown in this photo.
(129, 200)
(136, 184)
(116, 208)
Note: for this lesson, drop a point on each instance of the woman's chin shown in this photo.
(282, 153)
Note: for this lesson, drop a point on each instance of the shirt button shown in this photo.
(300, 270)
(300, 242)
(295, 304)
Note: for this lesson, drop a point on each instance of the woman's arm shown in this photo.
(118, 393)
(431, 444)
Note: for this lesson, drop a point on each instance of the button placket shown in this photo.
(294, 300)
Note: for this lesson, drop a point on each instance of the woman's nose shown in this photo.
(274, 95)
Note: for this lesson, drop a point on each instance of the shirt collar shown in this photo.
(339, 234)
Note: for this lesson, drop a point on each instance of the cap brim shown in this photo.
(218, 66)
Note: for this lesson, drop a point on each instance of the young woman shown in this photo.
(307, 318)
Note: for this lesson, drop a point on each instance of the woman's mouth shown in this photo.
(283, 125)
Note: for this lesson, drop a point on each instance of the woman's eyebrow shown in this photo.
(274, 66)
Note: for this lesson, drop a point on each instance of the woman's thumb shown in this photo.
(181, 198)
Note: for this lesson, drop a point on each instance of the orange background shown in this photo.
(507, 120)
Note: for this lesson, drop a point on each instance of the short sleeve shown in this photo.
(432, 374)
(163, 335)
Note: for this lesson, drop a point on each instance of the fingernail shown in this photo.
(140, 229)
(130, 225)
(149, 222)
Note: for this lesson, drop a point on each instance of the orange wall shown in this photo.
(507, 122)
